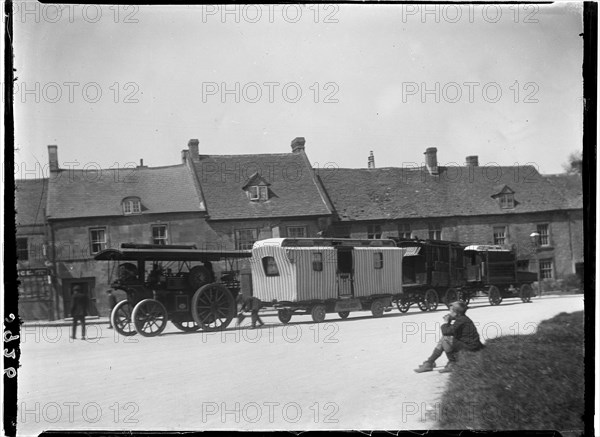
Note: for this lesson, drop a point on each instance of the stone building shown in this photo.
(489, 204)
(230, 201)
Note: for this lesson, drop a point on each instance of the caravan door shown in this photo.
(345, 272)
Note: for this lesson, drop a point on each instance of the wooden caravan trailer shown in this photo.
(326, 275)
(432, 269)
(493, 271)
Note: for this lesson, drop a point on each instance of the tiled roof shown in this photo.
(94, 193)
(292, 188)
(30, 201)
(394, 193)
(571, 186)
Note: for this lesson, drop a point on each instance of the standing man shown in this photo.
(112, 302)
(79, 306)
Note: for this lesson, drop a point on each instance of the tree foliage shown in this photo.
(574, 163)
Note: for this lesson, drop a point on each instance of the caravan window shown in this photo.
(270, 266)
(378, 260)
(317, 261)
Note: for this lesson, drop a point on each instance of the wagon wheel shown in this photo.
(318, 313)
(526, 293)
(450, 296)
(150, 317)
(188, 326)
(199, 276)
(284, 315)
(465, 296)
(120, 318)
(403, 304)
(430, 301)
(213, 307)
(377, 308)
(344, 314)
(494, 295)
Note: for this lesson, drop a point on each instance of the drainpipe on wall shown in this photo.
(54, 272)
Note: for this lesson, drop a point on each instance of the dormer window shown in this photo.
(258, 192)
(507, 200)
(505, 197)
(257, 188)
(132, 205)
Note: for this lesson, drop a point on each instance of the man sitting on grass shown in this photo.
(459, 333)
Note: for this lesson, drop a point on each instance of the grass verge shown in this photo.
(521, 382)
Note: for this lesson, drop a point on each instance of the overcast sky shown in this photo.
(501, 83)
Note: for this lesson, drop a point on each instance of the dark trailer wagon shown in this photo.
(181, 287)
(493, 270)
(431, 270)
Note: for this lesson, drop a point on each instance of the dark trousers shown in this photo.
(256, 319)
(75, 320)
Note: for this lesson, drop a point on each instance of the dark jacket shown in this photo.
(463, 329)
(250, 303)
(79, 304)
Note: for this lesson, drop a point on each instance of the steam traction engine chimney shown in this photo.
(53, 158)
(431, 160)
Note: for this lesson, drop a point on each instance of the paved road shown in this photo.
(350, 374)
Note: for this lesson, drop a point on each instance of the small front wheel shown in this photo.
(284, 316)
(318, 313)
(150, 317)
(377, 308)
(344, 314)
(495, 297)
(120, 318)
(526, 292)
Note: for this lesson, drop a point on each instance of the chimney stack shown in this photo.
(298, 144)
(371, 162)
(53, 158)
(184, 156)
(193, 148)
(431, 160)
(142, 164)
(472, 161)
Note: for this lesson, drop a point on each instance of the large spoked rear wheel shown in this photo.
(494, 294)
(120, 318)
(150, 317)
(189, 326)
(213, 307)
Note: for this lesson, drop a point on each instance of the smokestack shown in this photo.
(298, 144)
(142, 164)
(431, 160)
(193, 148)
(472, 161)
(53, 158)
(371, 161)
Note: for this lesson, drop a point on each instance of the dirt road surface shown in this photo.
(340, 374)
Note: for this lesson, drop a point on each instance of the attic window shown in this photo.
(132, 205)
(258, 192)
(507, 200)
